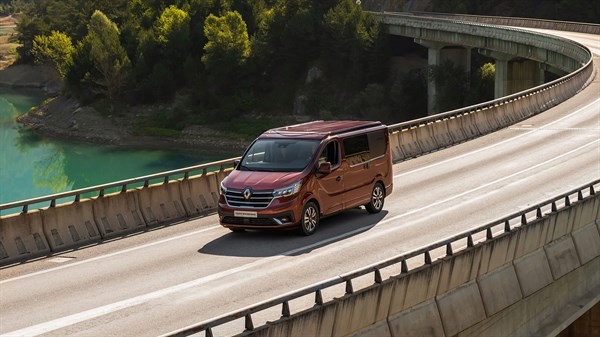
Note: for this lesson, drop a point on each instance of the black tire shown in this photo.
(377, 199)
(310, 219)
(236, 229)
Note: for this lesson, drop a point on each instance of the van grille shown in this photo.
(259, 199)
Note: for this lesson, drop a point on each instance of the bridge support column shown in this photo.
(437, 53)
(514, 74)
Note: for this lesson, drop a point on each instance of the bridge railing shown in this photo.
(122, 186)
(581, 27)
(450, 246)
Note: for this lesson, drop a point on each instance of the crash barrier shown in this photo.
(178, 195)
(580, 27)
(417, 137)
(478, 274)
(78, 223)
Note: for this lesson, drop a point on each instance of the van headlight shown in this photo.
(223, 188)
(287, 191)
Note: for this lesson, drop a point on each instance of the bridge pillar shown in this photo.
(514, 74)
(437, 53)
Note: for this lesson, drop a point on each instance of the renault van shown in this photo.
(295, 175)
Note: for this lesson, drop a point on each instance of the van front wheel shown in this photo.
(377, 198)
(310, 219)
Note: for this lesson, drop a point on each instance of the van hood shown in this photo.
(261, 180)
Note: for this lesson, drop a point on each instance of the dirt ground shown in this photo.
(8, 41)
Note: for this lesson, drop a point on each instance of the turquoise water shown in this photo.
(33, 166)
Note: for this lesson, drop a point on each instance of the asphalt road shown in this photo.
(159, 281)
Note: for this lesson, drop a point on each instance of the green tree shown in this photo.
(56, 49)
(110, 62)
(173, 35)
(228, 42)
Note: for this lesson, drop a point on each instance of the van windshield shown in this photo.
(279, 155)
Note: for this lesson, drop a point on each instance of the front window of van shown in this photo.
(279, 155)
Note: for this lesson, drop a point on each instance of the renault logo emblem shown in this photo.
(247, 193)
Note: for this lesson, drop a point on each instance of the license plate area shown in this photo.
(245, 214)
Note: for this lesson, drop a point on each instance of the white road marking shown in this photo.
(107, 309)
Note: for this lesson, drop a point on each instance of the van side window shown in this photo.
(362, 148)
(330, 154)
(377, 143)
(356, 149)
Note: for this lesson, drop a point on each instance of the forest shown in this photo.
(225, 58)
(217, 60)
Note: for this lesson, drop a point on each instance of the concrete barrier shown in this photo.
(397, 154)
(118, 214)
(421, 320)
(161, 203)
(533, 272)
(461, 308)
(72, 225)
(197, 196)
(22, 237)
(499, 289)
(409, 143)
(562, 256)
(357, 312)
(317, 321)
(587, 242)
(425, 138)
(423, 284)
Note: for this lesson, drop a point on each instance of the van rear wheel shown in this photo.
(377, 199)
(310, 219)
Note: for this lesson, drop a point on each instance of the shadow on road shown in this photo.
(262, 243)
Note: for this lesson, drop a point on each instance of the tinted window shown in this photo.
(377, 143)
(356, 149)
(362, 148)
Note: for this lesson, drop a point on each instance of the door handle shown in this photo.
(339, 178)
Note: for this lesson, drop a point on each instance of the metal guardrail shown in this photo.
(506, 224)
(571, 26)
(100, 189)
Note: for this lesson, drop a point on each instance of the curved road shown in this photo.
(159, 281)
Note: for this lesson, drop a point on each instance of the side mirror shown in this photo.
(324, 168)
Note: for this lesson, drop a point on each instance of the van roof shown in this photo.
(321, 129)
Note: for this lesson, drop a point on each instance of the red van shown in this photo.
(295, 175)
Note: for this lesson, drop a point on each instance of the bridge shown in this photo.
(444, 252)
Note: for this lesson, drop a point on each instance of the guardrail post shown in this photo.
(186, 175)
(592, 192)
(523, 219)
(378, 276)
(77, 197)
(449, 251)
(506, 226)
(285, 309)
(124, 188)
(146, 183)
(166, 180)
(538, 214)
(25, 208)
(53, 203)
(579, 195)
(470, 241)
(349, 289)
(488, 234)
(567, 201)
(101, 193)
(554, 206)
(318, 297)
(404, 267)
(208, 333)
(248, 323)
(427, 258)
